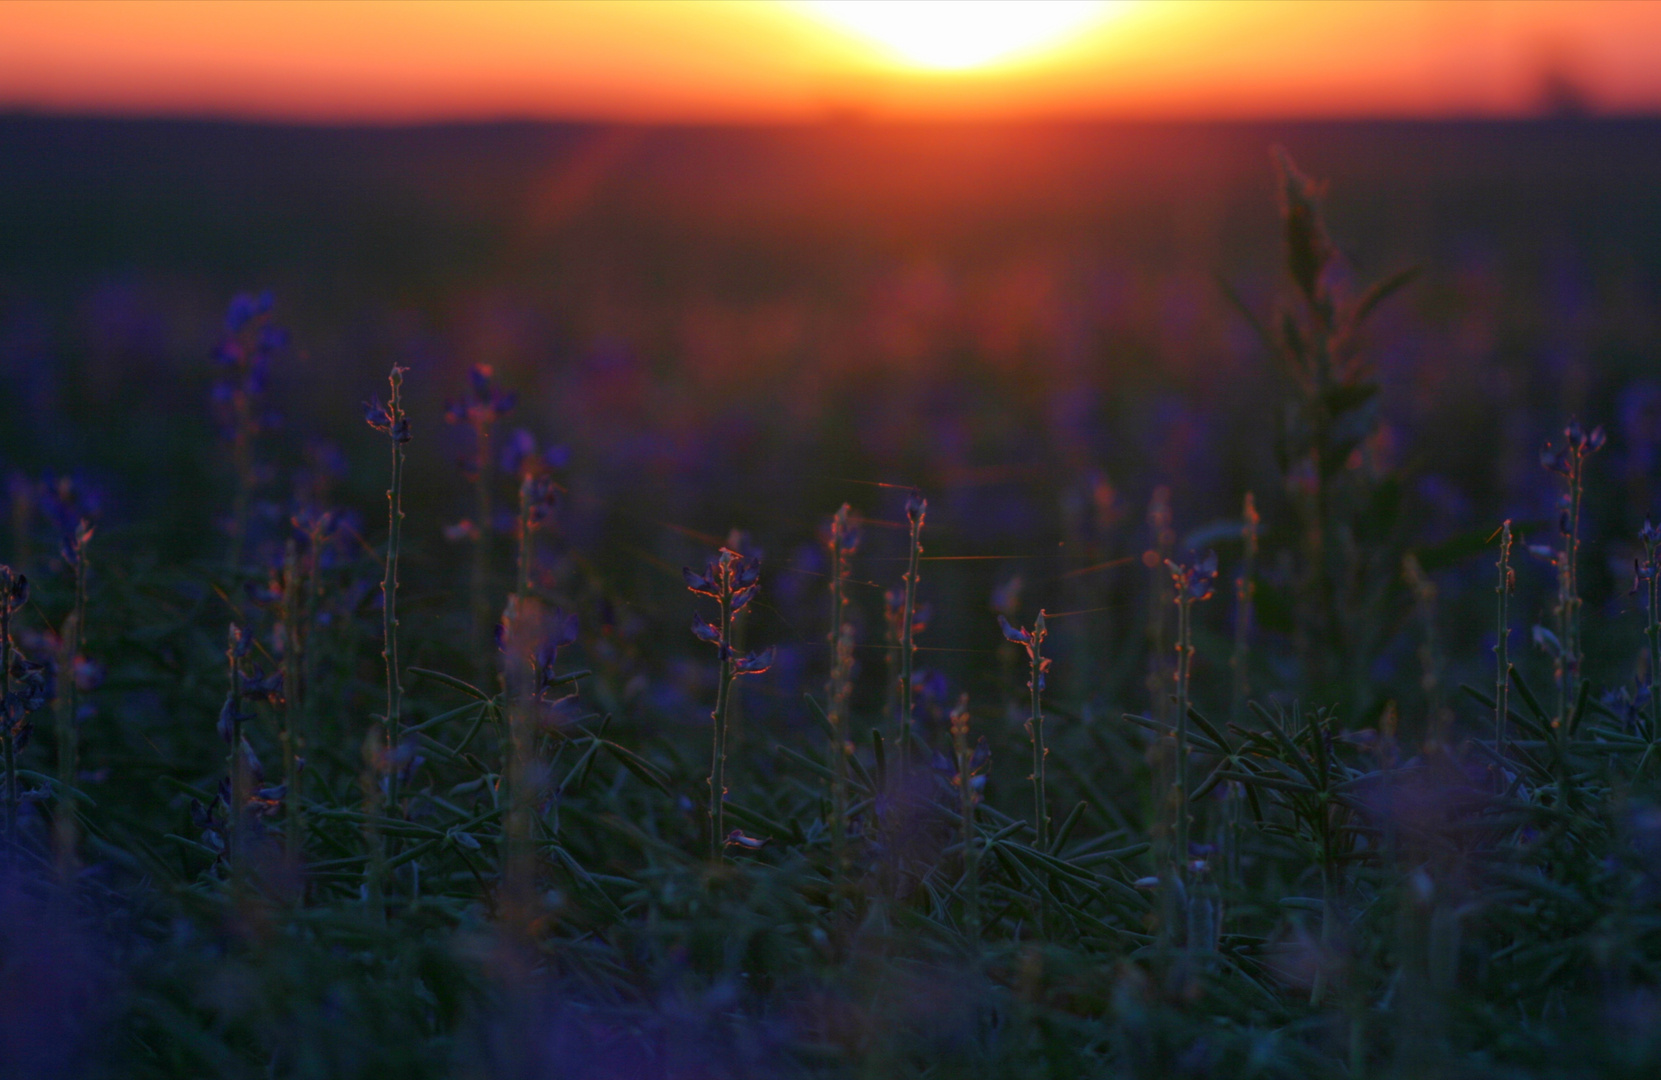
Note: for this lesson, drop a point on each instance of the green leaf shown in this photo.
(644, 770)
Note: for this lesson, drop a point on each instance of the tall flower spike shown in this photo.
(1192, 580)
(1032, 640)
(732, 580)
(916, 511)
(1569, 461)
(843, 541)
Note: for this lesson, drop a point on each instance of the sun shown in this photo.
(958, 35)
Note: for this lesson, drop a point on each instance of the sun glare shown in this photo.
(956, 35)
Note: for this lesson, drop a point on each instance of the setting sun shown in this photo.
(954, 35)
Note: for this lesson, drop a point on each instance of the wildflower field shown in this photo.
(1072, 601)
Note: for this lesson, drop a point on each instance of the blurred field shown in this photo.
(741, 329)
(720, 323)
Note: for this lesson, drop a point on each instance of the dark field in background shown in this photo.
(744, 328)
(723, 325)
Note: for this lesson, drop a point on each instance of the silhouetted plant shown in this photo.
(732, 581)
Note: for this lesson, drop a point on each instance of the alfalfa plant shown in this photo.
(732, 581)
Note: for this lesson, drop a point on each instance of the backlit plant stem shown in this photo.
(1245, 592)
(916, 508)
(522, 575)
(1502, 643)
(1185, 661)
(1035, 725)
(293, 708)
(1652, 630)
(479, 598)
(718, 752)
(69, 704)
(5, 720)
(837, 693)
(966, 808)
(1569, 603)
(389, 585)
(235, 769)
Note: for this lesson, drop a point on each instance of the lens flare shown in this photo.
(956, 35)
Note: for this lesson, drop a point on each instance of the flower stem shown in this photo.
(718, 752)
(522, 574)
(1035, 726)
(389, 591)
(69, 704)
(235, 770)
(479, 583)
(837, 693)
(1185, 660)
(5, 721)
(966, 808)
(1653, 632)
(1502, 643)
(292, 706)
(1245, 592)
(908, 647)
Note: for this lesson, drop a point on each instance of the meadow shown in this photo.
(1121, 601)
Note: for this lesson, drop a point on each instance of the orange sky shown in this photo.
(341, 61)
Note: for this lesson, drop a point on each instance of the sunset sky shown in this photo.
(769, 60)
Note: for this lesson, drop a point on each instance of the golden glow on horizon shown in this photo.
(342, 61)
(957, 35)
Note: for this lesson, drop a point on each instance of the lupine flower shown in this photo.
(541, 499)
(485, 404)
(460, 531)
(979, 760)
(34, 685)
(229, 717)
(734, 579)
(894, 614)
(258, 686)
(1578, 444)
(1195, 579)
(520, 454)
(14, 590)
(1032, 641)
(376, 416)
(245, 351)
(844, 531)
(916, 508)
(72, 508)
(559, 630)
(1649, 567)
